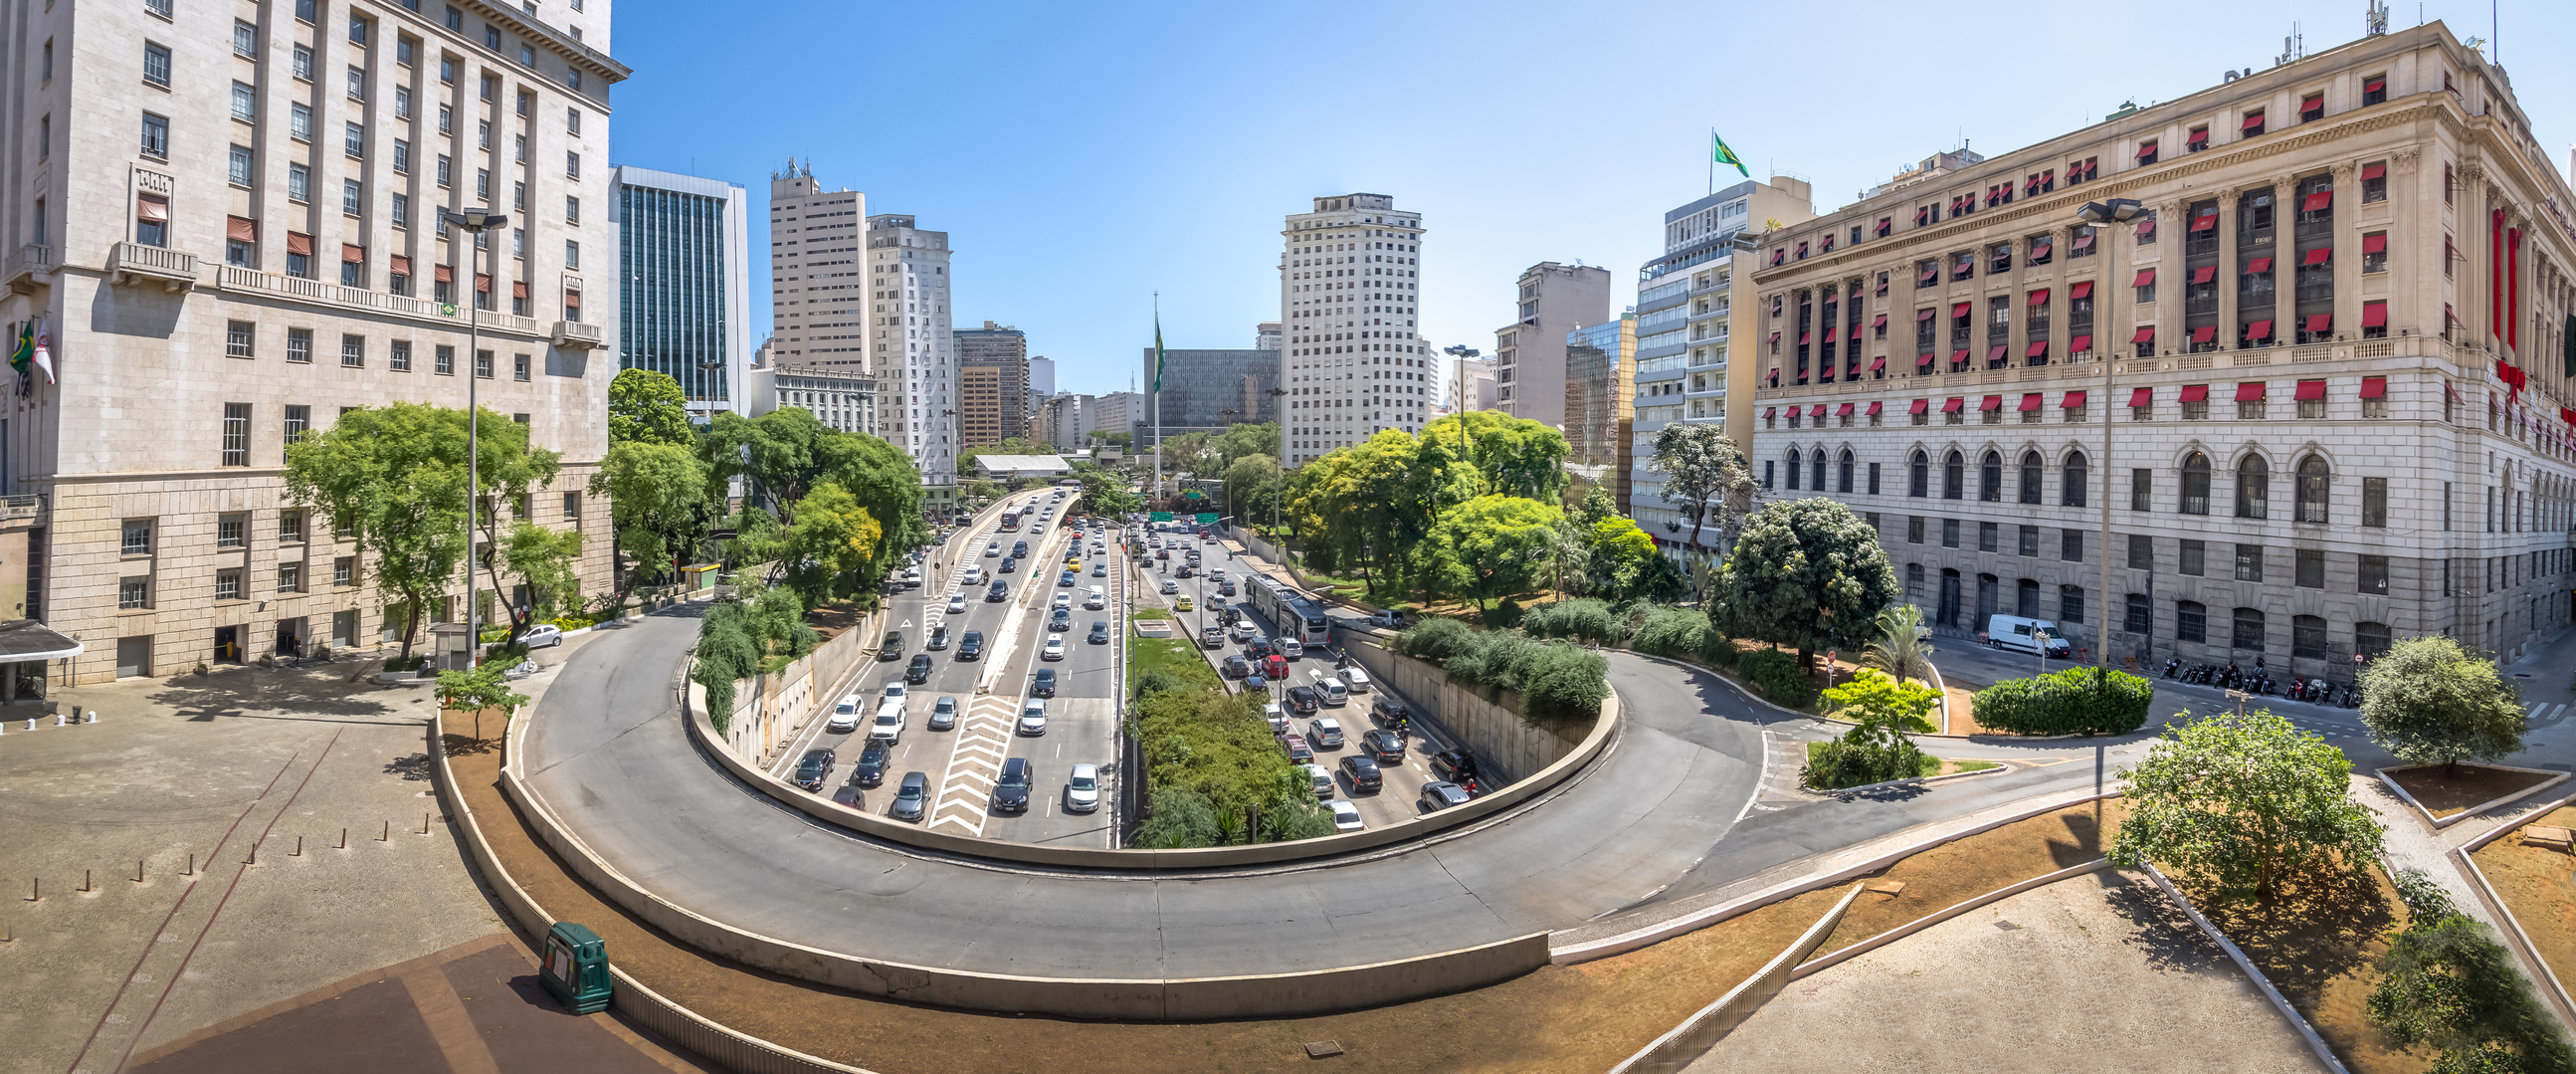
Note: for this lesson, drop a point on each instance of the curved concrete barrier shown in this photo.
(1675, 1051)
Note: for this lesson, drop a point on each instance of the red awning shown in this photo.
(2146, 148)
(1770, 412)
(2079, 345)
(152, 207)
(2195, 393)
(2146, 278)
(572, 300)
(2205, 221)
(1996, 353)
(2204, 334)
(2204, 274)
(2374, 171)
(2317, 202)
(446, 274)
(2250, 392)
(299, 244)
(2310, 389)
(1881, 322)
(2373, 85)
(2039, 297)
(2374, 315)
(2038, 348)
(2318, 256)
(401, 266)
(2082, 289)
(2374, 387)
(2142, 397)
(2253, 120)
(1959, 357)
(1951, 406)
(1878, 363)
(2041, 249)
(2030, 401)
(1991, 402)
(1829, 332)
(353, 253)
(1818, 412)
(1923, 360)
(2320, 322)
(1959, 309)
(2084, 241)
(2145, 228)
(241, 229)
(2072, 400)
(1925, 314)
(1802, 338)
(1874, 407)
(2375, 243)
(1844, 411)
(2259, 330)
(1775, 337)
(519, 289)
(2258, 266)
(1920, 406)
(2146, 334)
(483, 281)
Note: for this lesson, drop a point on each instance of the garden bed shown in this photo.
(2538, 884)
(1955, 872)
(2319, 944)
(2448, 794)
(1932, 766)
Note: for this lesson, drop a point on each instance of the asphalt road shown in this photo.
(1668, 811)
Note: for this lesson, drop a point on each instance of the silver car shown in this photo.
(1082, 789)
(1033, 718)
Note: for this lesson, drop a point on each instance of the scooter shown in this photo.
(2172, 662)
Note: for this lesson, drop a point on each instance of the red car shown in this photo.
(1274, 667)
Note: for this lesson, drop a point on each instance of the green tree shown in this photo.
(1494, 546)
(2235, 805)
(645, 407)
(2446, 981)
(1515, 456)
(2428, 700)
(1253, 486)
(1246, 439)
(656, 498)
(784, 454)
(1882, 710)
(1807, 574)
(1624, 561)
(1108, 493)
(1119, 439)
(547, 561)
(1904, 645)
(831, 546)
(1703, 473)
(483, 687)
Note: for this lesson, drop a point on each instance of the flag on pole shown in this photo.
(1158, 353)
(45, 352)
(24, 353)
(1722, 155)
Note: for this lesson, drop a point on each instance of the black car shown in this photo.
(1258, 648)
(1390, 712)
(1440, 794)
(998, 592)
(1384, 746)
(919, 672)
(1009, 566)
(815, 768)
(1060, 622)
(938, 639)
(1456, 766)
(1362, 774)
(1019, 549)
(1237, 667)
(970, 646)
(893, 647)
(911, 798)
(872, 764)
(1099, 632)
(1225, 589)
(1302, 700)
(1011, 794)
(1043, 683)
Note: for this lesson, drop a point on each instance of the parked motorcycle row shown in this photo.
(2316, 690)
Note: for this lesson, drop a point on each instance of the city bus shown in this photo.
(1011, 520)
(1292, 613)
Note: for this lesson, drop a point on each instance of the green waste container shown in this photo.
(576, 968)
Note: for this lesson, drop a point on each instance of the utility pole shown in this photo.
(476, 221)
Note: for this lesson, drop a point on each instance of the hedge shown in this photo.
(1778, 676)
(1557, 681)
(1585, 618)
(2076, 701)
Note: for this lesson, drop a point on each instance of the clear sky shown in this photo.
(1084, 157)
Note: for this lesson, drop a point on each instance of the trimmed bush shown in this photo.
(1586, 618)
(1433, 639)
(1673, 632)
(1557, 681)
(1778, 676)
(1563, 684)
(1843, 763)
(2076, 701)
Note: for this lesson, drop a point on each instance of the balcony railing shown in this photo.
(25, 264)
(135, 263)
(25, 505)
(576, 335)
(236, 278)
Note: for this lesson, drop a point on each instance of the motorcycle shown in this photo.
(2171, 663)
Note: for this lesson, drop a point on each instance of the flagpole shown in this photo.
(1712, 160)
(1158, 395)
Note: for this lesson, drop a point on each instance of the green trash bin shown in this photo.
(576, 968)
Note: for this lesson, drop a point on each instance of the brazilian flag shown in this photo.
(1725, 155)
(23, 356)
(1158, 353)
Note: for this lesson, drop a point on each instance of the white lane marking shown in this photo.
(974, 765)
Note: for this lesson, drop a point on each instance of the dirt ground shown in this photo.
(2539, 885)
(2320, 943)
(2464, 786)
(1583, 1018)
(1953, 873)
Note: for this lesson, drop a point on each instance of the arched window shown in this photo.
(2253, 488)
(2307, 637)
(1990, 478)
(2026, 598)
(2074, 481)
(1843, 475)
(2314, 480)
(1820, 470)
(2370, 639)
(1918, 476)
(2191, 621)
(1793, 461)
(2248, 633)
(1954, 476)
(2030, 477)
(2195, 484)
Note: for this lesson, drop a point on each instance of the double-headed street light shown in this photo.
(2100, 215)
(476, 220)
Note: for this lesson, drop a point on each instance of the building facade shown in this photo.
(1351, 361)
(1203, 390)
(842, 399)
(1529, 353)
(989, 414)
(1041, 380)
(2313, 383)
(184, 249)
(1470, 384)
(684, 305)
(913, 349)
(1686, 383)
(1600, 404)
(816, 312)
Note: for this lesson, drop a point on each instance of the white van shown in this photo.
(1095, 598)
(2021, 634)
(888, 727)
(1335, 694)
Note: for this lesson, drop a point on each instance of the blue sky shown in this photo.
(1082, 160)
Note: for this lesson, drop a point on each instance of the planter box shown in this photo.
(2388, 776)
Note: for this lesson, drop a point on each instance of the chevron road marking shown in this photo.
(983, 739)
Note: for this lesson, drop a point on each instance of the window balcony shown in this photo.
(134, 264)
(26, 265)
(578, 335)
(236, 278)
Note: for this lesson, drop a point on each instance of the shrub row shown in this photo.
(2076, 701)
(1843, 763)
(1211, 762)
(1558, 682)
(1778, 676)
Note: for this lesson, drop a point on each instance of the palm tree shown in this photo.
(1904, 647)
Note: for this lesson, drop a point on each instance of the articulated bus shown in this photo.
(1293, 613)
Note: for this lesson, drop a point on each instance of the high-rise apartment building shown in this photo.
(684, 279)
(1351, 360)
(2310, 365)
(1529, 353)
(818, 304)
(1041, 380)
(993, 364)
(913, 352)
(1686, 385)
(1600, 404)
(225, 234)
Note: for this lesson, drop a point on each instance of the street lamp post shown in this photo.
(476, 220)
(1281, 492)
(2100, 215)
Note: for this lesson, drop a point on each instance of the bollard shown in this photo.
(31, 723)
(389, 833)
(424, 824)
(192, 864)
(254, 854)
(89, 716)
(138, 870)
(299, 848)
(344, 840)
(36, 890)
(85, 881)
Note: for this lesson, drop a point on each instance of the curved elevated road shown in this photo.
(1667, 812)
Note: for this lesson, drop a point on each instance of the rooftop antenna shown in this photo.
(2375, 22)
(2293, 48)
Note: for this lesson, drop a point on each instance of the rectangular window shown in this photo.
(2374, 182)
(290, 527)
(402, 102)
(236, 445)
(483, 364)
(1949, 533)
(572, 165)
(237, 338)
(290, 577)
(229, 530)
(572, 210)
(134, 593)
(2191, 621)
(1914, 529)
(572, 509)
(519, 152)
(353, 351)
(572, 254)
(156, 136)
(443, 169)
(443, 360)
(353, 140)
(2374, 575)
(2028, 543)
(299, 122)
(2142, 552)
(399, 210)
(137, 537)
(2374, 501)
(2195, 554)
(299, 183)
(2142, 488)
(299, 345)
(299, 420)
(156, 64)
(398, 356)
(353, 197)
(447, 73)
(245, 40)
(2070, 545)
(1989, 536)
(304, 63)
(572, 122)
(238, 171)
(2309, 568)
(357, 83)
(2374, 252)
(228, 584)
(519, 367)
(2249, 563)
(344, 571)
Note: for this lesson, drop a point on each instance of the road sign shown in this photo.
(1207, 518)
(1160, 516)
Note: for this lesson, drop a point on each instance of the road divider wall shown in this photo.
(1492, 729)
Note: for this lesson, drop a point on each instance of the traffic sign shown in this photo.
(1159, 516)
(1207, 518)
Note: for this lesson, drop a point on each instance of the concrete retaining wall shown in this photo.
(1508, 747)
(1677, 1050)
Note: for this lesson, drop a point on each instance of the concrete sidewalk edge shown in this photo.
(2524, 950)
(2280, 1003)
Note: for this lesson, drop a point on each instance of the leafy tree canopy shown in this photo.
(1493, 546)
(1804, 573)
(2234, 805)
(2428, 700)
(648, 408)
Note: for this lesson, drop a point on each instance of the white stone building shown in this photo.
(1352, 362)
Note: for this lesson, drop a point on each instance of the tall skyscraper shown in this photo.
(1600, 403)
(1529, 353)
(818, 315)
(993, 361)
(1351, 359)
(196, 312)
(685, 284)
(912, 351)
(1041, 380)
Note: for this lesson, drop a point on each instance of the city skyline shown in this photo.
(1193, 145)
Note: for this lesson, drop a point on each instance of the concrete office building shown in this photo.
(912, 349)
(1202, 390)
(1600, 404)
(1529, 353)
(818, 309)
(1351, 360)
(1471, 385)
(684, 306)
(1686, 382)
(1041, 380)
(2336, 408)
(1116, 412)
(1266, 336)
(208, 287)
(994, 362)
(1059, 421)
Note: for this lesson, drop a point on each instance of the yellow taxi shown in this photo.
(1184, 604)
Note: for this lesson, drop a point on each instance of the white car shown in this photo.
(973, 576)
(1054, 648)
(888, 727)
(992, 549)
(1082, 790)
(1322, 779)
(845, 716)
(1063, 600)
(1356, 679)
(1171, 587)
(1033, 718)
(1095, 600)
(1291, 648)
(1245, 631)
(894, 688)
(956, 603)
(542, 635)
(1346, 817)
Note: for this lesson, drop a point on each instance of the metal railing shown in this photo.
(237, 278)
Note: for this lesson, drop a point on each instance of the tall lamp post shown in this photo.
(1229, 416)
(1281, 492)
(2100, 215)
(476, 220)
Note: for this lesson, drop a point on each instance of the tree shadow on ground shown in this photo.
(463, 746)
(2318, 928)
(313, 693)
(412, 767)
(2165, 936)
